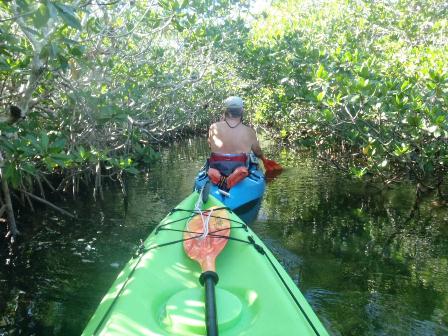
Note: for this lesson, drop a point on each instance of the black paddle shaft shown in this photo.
(209, 279)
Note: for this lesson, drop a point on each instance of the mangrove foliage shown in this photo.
(89, 89)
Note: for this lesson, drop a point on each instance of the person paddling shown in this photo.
(231, 142)
(231, 138)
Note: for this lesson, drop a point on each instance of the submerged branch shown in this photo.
(39, 199)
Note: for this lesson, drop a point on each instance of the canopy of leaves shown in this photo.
(371, 76)
(366, 82)
(105, 81)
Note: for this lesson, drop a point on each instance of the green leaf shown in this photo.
(132, 170)
(29, 168)
(68, 16)
(8, 128)
(431, 85)
(358, 172)
(60, 159)
(405, 85)
(414, 120)
(54, 49)
(321, 73)
(31, 30)
(23, 5)
(77, 51)
(53, 12)
(32, 140)
(4, 66)
(402, 149)
(42, 15)
(63, 62)
(44, 141)
(355, 98)
(328, 114)
(58, 144)
(83, 154)
(440, 120)
(320, 96)
(364, 71)
(184, 4)
(12, 175)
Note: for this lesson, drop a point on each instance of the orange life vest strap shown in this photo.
(237, 176)
(214, 175)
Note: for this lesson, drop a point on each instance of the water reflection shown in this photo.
(369, 262)
(372, 264)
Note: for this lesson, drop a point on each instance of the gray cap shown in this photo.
(234, 105)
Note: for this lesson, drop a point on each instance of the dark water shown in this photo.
(368, 260)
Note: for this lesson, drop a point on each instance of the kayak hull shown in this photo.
(244, 198)
(158, 292)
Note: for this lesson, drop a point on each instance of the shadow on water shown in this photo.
(365, 261)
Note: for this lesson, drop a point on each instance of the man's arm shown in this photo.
(210, 132)
(256, 145)
(257, 150)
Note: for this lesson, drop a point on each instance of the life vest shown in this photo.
(227, 170)
(227, 182)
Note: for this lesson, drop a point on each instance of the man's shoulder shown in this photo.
(217, 124)
(249, 128)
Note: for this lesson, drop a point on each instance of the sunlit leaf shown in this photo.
(405, 85)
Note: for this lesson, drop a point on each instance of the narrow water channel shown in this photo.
(368, 261)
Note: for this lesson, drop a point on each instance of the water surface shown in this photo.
(368, 260)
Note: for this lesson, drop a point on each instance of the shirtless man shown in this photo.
(231, 136)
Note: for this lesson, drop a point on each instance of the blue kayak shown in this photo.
(244, 199)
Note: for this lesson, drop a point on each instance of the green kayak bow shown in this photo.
(158, 292)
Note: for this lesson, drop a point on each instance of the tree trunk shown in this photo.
(7, 205)
(9, 210)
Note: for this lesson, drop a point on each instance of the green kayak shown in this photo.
(158, 291)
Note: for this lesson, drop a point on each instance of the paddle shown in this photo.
(205, 238)
(272, 168)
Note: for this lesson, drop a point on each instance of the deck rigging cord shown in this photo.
(205, 218)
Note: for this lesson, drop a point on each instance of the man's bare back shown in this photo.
(232, 137)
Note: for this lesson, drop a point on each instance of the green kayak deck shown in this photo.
(158, 292)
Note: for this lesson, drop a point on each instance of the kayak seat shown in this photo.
(227, 163)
